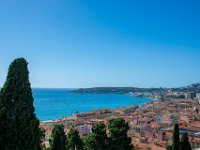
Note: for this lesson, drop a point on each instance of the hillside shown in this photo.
(193, 88)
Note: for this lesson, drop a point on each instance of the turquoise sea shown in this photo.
(57, 103)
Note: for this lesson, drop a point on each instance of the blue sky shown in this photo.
(87, 43)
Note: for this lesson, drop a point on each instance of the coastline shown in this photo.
(128, 108)
(158, 116)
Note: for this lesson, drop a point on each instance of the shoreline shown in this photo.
(132, 106)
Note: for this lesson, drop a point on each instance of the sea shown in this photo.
(52, 104)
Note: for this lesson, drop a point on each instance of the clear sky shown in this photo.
(87, 43)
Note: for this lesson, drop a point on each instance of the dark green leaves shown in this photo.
(74, 141)
(113, 138)
(176, 139)
(185, 144)
(19, 126)
(58, 138)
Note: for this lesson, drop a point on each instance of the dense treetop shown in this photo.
(19, 126)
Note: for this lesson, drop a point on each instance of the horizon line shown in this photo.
(110, 87)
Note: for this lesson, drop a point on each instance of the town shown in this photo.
(151, 125)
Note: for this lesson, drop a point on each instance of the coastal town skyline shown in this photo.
(77, 44)
(165, 119)
(99, 75)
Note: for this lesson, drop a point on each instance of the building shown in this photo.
(174, 119)
(84, 130)
(158, 118)
(198, 97)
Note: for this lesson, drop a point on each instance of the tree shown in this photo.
(169, 147)
(89, 142)
(185, 144)
(42, 135)
(98, 139)
(74, 141)
(19, 127)
(118, 138)
(100, 136)
(58, 139)
(176, 138)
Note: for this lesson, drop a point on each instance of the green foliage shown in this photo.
(42, 135)
(19, 127)
(118, 139)
(169, 147)
(58, 139)
(44, 148)
(89, 142)
(100, 136)
(176, 138)
(74, 141)
(98, 139)
(185, 144)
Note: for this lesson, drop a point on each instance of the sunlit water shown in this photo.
(57, 103)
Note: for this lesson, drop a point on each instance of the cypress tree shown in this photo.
(185, 144)
(19, 127)
(74, 141)
(118, 139)
(176, 138)
(58, 139)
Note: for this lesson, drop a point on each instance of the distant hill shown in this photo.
(193, 88)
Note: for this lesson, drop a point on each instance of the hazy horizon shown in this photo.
(78, 44)
(105, 87)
